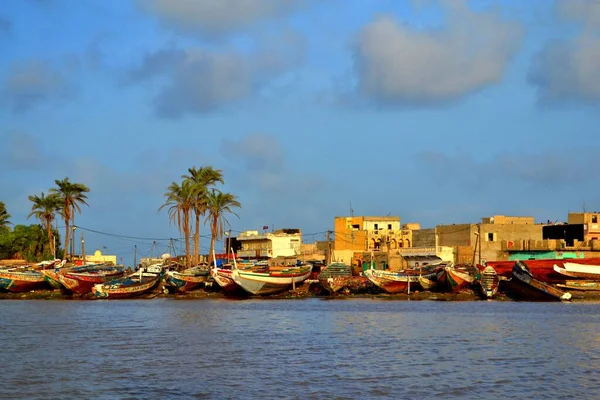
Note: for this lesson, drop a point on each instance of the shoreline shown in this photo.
(308, 290)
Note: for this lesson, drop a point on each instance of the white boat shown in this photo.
(274, 280)
(580, 270)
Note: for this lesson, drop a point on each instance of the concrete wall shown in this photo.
(423, 237)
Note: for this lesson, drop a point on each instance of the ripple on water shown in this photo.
(357, 348)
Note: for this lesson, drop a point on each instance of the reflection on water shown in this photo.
(311, 348)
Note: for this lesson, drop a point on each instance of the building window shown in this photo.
(390, 227)
(355, 227)
(376, 227)
(594, 219)
(490, 237)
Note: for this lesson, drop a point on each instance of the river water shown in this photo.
(298, 349)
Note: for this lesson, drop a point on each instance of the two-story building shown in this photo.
(267, 245)
(489, 239)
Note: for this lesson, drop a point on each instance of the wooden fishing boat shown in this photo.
(530, 288)
(80, 280)
(21, 280)
(580, 285)
(335, 276)
(581, 270)
(186, 280)
(273, 280)
(456, 277)
(488, 282)
(398, 281)
(50, 270)
(135, 284)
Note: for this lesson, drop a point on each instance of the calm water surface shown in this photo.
(300, 349)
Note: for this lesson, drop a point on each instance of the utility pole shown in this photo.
(479, 236)
(82, 248)
(328, 255)
(134, 256)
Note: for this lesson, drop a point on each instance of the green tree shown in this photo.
(4, 218)
(218, 205)
(45, 209)
(72, 195)
(179, 200)
(202, 180)
(25, 242)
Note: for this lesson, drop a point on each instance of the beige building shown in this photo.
(591, 224)
(489, 239)
(99, 258)
(284, 243)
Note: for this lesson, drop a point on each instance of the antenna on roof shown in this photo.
(583, 206)
(351, 210)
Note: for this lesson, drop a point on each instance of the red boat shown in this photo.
(82, 282)
(21, 280)
(542, 270)
(456, 277)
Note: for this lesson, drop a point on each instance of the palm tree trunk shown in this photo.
(186, 234)
(197, 241)
(49, 231)
(213, 234)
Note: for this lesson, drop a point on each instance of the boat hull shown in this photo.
(396, 282)
(265, 283)
(335, 276)
(127, 287)
(185, 282)
(82, 283)
(17, 282)
(488, 282)
(528, 287)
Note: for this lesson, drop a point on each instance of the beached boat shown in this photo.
(50, 270)
(580, 285)
(454, 278)
(271, 281)
(21, 280)
(135, 284)
(335, 276)
(530, 288)
(186, 280)
(581, 270)
(80, 280)
(488, 282)
(399, 281)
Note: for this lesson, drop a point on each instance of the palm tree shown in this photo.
(45, 208)
(202, 178)
(218, 204)
(179, 199)
(4, 216)
(71, 196)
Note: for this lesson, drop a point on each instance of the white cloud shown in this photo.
(568, 71)
(197, 80)
(397, 64)
(32, 82)
(586, 11)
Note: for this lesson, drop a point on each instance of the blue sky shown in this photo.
(438, 112)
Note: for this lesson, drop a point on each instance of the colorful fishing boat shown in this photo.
(335, 276)
(50, 270)
(135, 284)
(577, 270)
(186, 280)
(271, 280)
(454, 278)
(530, 288)
(488, 282)
(399, 281)
(21, 280)
(80, 280)
(580, 285)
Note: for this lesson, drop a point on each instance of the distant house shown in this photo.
(267, 245)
